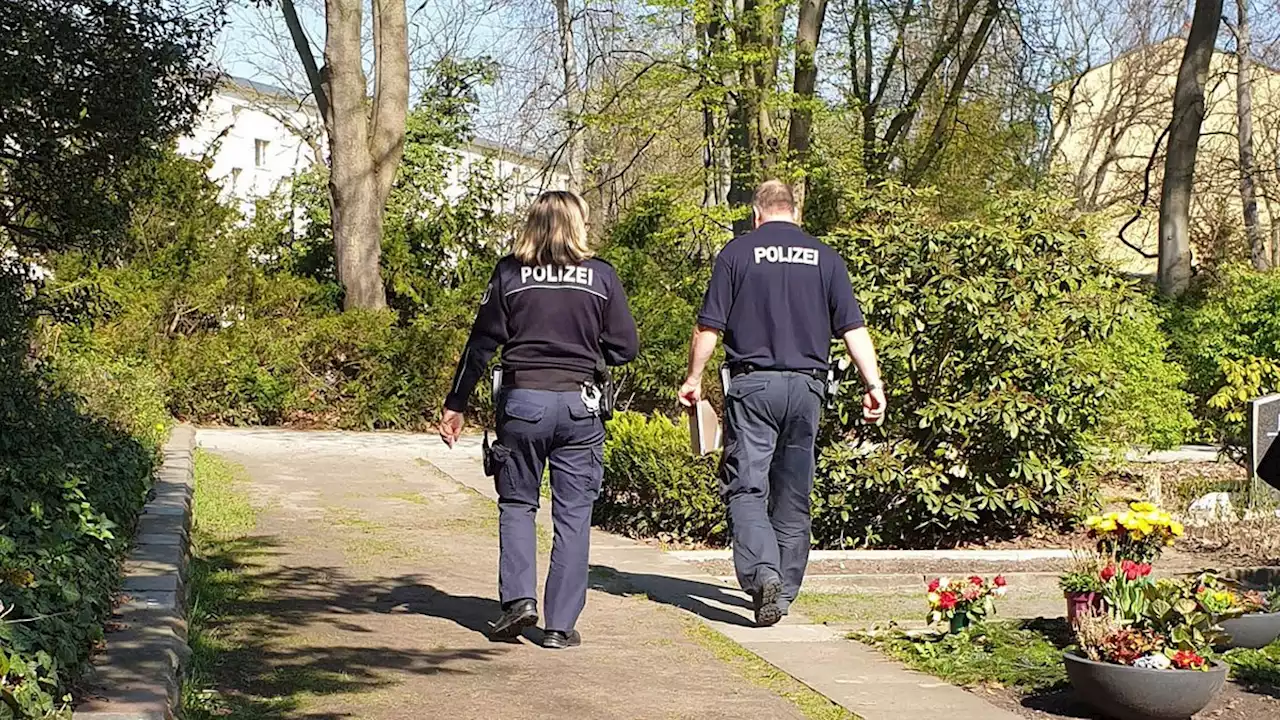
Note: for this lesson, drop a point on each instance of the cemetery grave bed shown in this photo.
(1017, 665)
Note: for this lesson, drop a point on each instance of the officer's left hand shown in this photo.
(873, 405)
(451, 423)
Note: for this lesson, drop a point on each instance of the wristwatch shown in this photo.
(875, 386)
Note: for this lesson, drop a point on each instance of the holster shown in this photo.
(494, 456)
(608, 393)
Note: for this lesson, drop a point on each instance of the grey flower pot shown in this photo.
(1257, 630)
(1129, 693)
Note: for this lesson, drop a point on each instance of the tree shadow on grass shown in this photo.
(247, 613)
(686, 594)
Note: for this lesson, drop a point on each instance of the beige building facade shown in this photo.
(1108, 151)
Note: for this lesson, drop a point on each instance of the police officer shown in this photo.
(778, 296)
(560, 315)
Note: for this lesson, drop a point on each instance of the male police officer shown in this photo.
(778, 296)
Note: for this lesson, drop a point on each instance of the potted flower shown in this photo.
(963, 602)
(1140, 533)
(1258, 624)
(1146, 658)
(1134, 674)
(1081, 584)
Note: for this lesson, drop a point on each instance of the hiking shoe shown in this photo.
(768, 611)
(518, 616)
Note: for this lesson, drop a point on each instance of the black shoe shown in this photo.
(768, 612)
(518, 616)
(559, 640)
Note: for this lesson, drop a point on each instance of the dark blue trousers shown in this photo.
(771, 422)
(541, 426)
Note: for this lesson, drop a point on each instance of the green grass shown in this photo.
(1025, 655)
(812, 705)
(410, 497)
(1256, 667)
(857, 608)
(224, 518)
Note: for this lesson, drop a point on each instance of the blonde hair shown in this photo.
(555, 232)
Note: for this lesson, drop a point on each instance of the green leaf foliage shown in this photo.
(1227, 334)
(74, 473)
(654, 487)
(993, 337)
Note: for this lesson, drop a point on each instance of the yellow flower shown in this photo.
(1107, 525)
(1092, 521)
(934, 598)
(1176, 528)
(1142, 507)
(1169, 542)
(1145, 527)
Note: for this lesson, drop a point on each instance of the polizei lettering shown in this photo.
(552, 274)
(793, 255)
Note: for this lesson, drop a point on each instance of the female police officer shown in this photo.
(558, 314)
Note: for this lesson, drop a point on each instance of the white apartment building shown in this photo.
(259, 136)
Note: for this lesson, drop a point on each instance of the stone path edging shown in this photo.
(138, 677)
(850, 674)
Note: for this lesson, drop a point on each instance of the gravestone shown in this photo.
(1264, 450)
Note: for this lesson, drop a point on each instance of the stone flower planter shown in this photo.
(1129, 693)
(1256, 630)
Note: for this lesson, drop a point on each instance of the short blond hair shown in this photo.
(555, 231)
(774, 197)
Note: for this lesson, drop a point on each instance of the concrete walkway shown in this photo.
(408, 597)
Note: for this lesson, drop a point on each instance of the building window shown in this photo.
(260, 152)
(235, 177)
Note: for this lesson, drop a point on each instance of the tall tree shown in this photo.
(931, 53)
(574, 136)
(1174, 273)
(366, 132)
(799, 134)
(88, 88)
(1258, 250)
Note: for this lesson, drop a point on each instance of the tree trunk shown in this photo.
(808, 35)
(1258, 249)
(572, 96)
(1184, 142)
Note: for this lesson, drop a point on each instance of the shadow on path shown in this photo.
(686, 594)
(265, 634)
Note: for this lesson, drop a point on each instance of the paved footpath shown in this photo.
(377, 556)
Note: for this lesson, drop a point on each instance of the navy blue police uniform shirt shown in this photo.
(779, 296)
(554, 324)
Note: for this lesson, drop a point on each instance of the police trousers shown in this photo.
(540, 427)
(771, 423)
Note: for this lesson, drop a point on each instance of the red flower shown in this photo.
(1187, 660)
(1108, 572)
(1144, 569)
(999, 581)
(1133, 570)
(973, 592)
(933, 586)
(975, 580)
(947, 601)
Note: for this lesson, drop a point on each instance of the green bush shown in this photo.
(654, 487)
(1227, 334)
(73, 477)
(1148, 406)
(994, 341)
(662, 251)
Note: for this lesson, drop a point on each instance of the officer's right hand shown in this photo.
(451, 423)
(690, 393)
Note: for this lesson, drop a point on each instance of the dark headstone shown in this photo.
(1264, 450)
